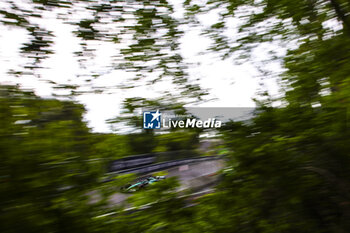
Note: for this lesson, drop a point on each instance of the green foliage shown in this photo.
(147, 35)
(141, 143)
(48, 165)
(287, 171)
(177, 140)
(112, 146)
(52, 172)
(166, 212)
(289, 165)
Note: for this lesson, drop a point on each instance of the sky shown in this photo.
(231, 85)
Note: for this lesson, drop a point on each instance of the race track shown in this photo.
(196, 176)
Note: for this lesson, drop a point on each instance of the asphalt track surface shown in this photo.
(197, 176)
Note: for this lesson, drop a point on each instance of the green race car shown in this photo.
(130, 188)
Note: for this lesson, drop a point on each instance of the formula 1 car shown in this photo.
(138, 185)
